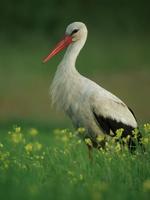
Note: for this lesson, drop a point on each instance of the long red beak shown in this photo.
(60, 46)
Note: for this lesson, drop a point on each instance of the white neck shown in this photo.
(72, 53)
(69, 60)
(66, 76)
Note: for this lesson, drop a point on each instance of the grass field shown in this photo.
(54, 165)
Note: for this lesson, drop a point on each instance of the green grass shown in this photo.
(55, 165)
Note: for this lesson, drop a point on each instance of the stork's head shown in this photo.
(75, 32)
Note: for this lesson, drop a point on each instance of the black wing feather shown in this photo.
(108, 124)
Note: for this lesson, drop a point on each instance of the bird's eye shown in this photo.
(74, 31)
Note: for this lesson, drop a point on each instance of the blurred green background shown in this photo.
(116, 55)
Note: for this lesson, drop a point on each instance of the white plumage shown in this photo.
(85, 102)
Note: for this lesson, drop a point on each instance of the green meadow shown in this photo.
(36, 164)
(41, 155)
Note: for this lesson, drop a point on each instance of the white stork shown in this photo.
(85, 102)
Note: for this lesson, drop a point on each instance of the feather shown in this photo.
(108, 125)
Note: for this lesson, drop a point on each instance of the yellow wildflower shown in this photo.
(100, 138)
(81, 130)
(147, 127)
(17, 137)
(145, 140)
(33, 132)
(119, 133)
(29, 147)
(118, 147)
(88, 142)
(135, 133)
(18, 129)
